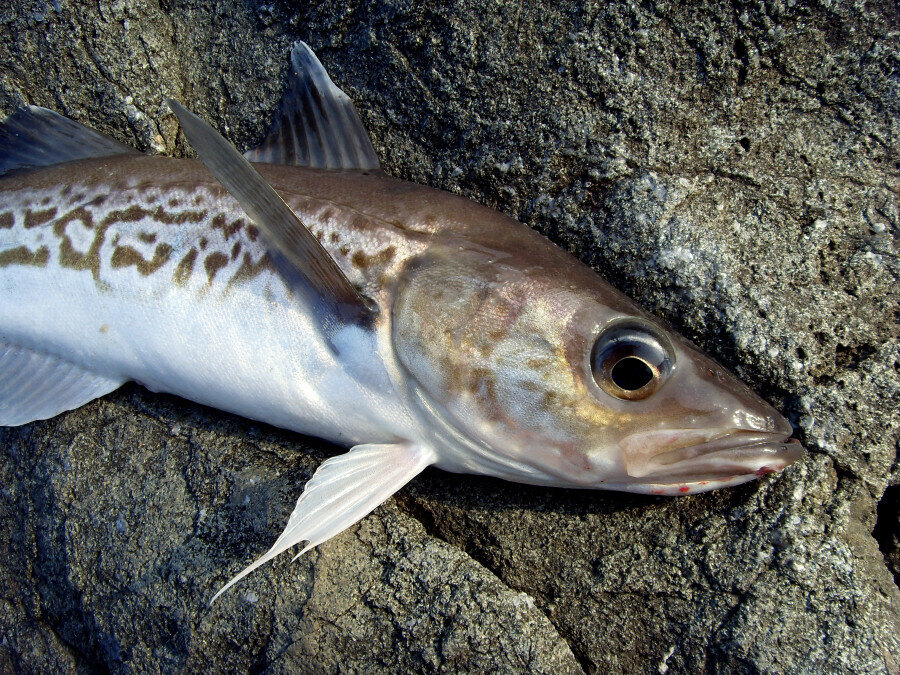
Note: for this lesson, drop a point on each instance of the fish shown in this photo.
(299, 285)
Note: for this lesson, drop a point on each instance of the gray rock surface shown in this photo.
(733, 166)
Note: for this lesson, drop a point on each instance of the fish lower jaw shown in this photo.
(675, 488)
(679, 486)
(730, 459)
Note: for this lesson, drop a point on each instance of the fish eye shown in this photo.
(631, 360)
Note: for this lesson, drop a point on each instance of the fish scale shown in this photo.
(313, 292)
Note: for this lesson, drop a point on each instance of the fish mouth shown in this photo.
(737, 453)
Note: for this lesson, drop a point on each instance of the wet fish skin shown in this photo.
(478, 346)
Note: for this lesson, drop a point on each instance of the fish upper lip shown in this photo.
(736, 452)
(732, 440)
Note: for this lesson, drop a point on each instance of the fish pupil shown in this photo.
(631, 359)
(631, 373)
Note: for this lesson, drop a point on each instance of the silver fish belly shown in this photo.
(312, 292)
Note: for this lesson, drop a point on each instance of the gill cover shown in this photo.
(485, 341)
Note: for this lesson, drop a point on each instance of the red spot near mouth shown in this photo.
(684, 488)
(704, 482)
(765, 470)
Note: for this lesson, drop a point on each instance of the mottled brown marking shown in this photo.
(97, 201)
(68, 256)
(104, 328)
(386, 255)
(174, 202)
(132, 214)
(135, 213)
(252, 232)
(203, 243)
(213, 263)
(320, 235)
(249, 270)
(548, 398)
(383, 257)
(477, 380)
(79, 214)
(483, 386)
(235, 250)
(238, 225)
(147, 237)
(22, 255)
(185, 267)
(36, 218)
(335, 237)
(7, 220)
(45, 201)
(125, 256)
(455, 378)
(219, 222)
(344, 250)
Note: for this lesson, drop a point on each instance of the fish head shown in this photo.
(546, 374)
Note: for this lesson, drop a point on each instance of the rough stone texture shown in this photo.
(734, 167)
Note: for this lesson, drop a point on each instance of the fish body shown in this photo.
(313, 292)
(145, 268)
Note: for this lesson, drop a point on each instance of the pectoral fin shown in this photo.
(283, 231)
(342, 491)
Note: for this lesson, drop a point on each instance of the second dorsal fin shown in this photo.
(316, 125)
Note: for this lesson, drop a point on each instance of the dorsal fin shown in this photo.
(316, 125)
(285, 234)
(33, 137)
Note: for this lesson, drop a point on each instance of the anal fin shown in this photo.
(35, 386)
(343, 490)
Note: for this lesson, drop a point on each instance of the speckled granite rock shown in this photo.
(732, 166)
